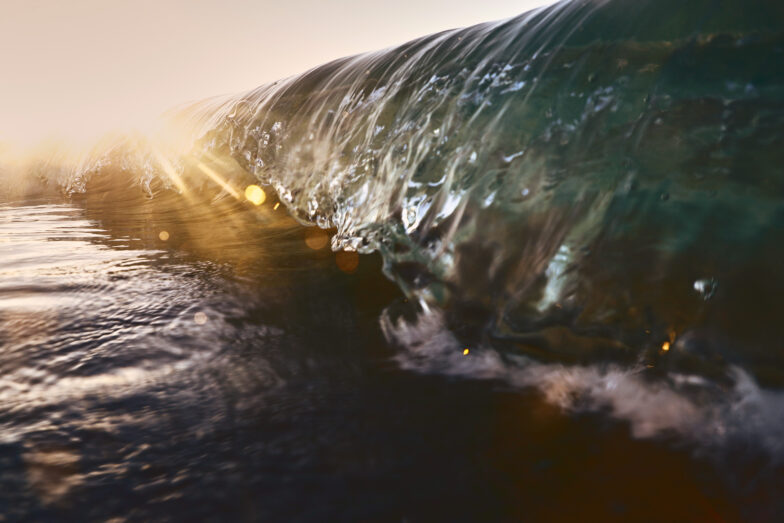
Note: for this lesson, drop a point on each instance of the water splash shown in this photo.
(567, 186)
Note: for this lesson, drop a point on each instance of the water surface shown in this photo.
(145, 382)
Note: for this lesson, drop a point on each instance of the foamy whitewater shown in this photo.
(584, 201)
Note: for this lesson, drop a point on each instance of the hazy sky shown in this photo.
(77, 67)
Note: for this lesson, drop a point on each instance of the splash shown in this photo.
(591, 183)
(711, 416)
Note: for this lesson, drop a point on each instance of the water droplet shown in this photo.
(410, 217)
(706, 287)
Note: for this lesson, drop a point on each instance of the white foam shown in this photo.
(687, 406)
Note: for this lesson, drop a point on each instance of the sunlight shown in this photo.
(215, 177)
(170, 172)
(255, 194)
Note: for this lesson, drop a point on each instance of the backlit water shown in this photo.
(140, 380)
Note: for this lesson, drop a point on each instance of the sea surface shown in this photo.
(144, 381)
(526, 270)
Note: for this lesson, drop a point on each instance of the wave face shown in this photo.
(595, 182)
(592, 179)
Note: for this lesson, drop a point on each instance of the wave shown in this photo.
(590, 183)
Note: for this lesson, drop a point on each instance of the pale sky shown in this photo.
(76, 68)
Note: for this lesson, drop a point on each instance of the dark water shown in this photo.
(283, 401)
(567, 303)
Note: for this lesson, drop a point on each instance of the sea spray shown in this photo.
(591, 183)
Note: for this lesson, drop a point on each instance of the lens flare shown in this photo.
(214, 176)
(255, 194)
(347, 261)
(316, 238)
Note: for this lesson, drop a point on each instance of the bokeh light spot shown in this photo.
(163, 235)
(255, 194)
(316, 238)
(200, 318)
(347, 261)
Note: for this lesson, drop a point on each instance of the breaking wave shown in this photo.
(588, 197)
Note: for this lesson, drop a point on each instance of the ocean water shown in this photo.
(525, 270)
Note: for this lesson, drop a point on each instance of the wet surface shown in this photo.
(232, 371)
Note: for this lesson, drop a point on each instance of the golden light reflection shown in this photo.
(465, 352)
(215, 177)
(276, 206)
(163, 235)
(169, 170)
(255, 194)
(666, 346)
(52, 472)
(347, 261)
(316, 238)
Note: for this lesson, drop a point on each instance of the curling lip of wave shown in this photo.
(558, 183)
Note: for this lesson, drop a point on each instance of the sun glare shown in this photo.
(255, 194)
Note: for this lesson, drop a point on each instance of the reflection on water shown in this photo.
(233, 370)
(581, 207)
